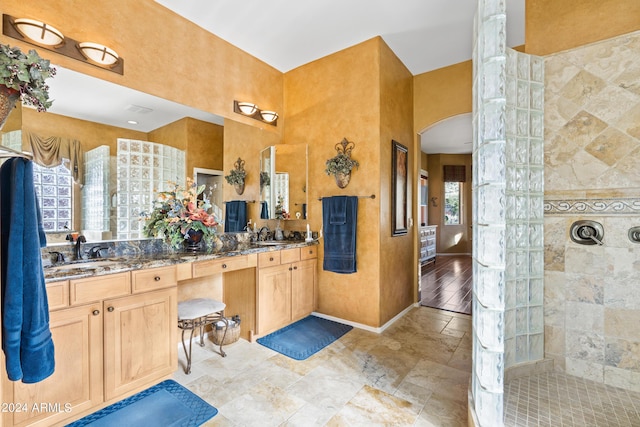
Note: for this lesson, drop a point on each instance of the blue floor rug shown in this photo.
(304, 337)
(163, 405)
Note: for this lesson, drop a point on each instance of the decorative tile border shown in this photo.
(620, 206)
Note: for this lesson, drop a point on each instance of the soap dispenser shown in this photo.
(278, 233)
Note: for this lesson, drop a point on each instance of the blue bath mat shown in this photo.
(304, 337)
(165, 404)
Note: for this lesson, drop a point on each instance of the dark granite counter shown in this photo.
(129, 262)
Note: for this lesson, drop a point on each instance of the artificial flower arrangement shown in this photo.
(178, 213)
(25, 73)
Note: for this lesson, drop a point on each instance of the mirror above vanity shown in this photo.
(283, 182)
(98, 113)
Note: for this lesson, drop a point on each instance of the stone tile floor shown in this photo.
(416, 373)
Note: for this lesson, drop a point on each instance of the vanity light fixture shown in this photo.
(250, 109)
(47, 37)
(268, 116)
(98, 53)
(247, 108)
(38, 32)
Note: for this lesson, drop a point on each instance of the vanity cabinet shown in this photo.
(286, 287)
(108, 344)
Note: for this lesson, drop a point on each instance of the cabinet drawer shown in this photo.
(58, 294)
(308, 252)
(222, 265)
(268, 259)
(97, 288)
(153, 278)
(289, 255)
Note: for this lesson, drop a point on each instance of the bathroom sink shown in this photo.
(82, 265)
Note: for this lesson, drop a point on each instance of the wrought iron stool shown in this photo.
(198, 313)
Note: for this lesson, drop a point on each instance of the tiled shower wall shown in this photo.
(592, 171)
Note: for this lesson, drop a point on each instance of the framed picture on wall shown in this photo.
(399, 176)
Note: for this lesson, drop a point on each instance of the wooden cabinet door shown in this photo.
(303, 280)
(140, 336)
(274, 298)
(76, 384)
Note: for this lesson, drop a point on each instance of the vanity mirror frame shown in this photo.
(285, 172)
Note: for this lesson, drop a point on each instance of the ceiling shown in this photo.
(424, 34)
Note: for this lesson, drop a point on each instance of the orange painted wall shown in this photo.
(327, 100)
(552, 26)
(441, 93)
(398, 260)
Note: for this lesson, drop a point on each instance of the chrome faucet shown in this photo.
(78, 253)
(260, 238)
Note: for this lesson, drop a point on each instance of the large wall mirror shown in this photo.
(105, 118)
(283, 182)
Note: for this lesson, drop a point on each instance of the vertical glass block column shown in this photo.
(143, 169)
(507, 210)
(524, 322)
(95, 196)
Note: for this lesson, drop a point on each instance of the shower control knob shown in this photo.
(634, 234)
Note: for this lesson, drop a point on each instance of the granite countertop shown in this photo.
(102, 266)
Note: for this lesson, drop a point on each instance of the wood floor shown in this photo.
(446, 285)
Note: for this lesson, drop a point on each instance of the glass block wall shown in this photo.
(144, 168)
(508, 96)
(95, 194)
(54, 189)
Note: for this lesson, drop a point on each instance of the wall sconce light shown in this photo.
(251, 110)
(434, 202)
(43, 35)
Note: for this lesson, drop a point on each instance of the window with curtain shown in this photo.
(453, 176)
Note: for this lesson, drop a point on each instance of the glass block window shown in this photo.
(54, 188)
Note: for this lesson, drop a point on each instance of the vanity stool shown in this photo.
(198, 313)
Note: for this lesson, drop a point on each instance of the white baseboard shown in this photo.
(367, 327)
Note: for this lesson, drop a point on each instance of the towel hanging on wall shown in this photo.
(339, 221)
(26, 338)
(235, 216)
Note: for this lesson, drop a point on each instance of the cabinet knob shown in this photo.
(295, 268)
(224, 265)
(157, 278)
(290, 268)
(271, 259)
(96, 312)
(110, 309)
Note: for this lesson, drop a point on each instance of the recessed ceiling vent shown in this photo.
(138, 109)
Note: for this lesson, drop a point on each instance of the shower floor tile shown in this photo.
(556, 399)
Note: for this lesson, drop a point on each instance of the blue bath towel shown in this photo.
(26, 338)
(235, 216)
(340, 218)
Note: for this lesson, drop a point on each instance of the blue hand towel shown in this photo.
(26, 338)
(264, 212)
(340, 236)
(235, 216)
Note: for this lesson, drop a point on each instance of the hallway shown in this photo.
(447, 284)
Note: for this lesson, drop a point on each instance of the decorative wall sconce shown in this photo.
(251, 110)
(47, 37)
(434, 202)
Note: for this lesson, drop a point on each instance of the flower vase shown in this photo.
(194, 237)
(239, 188)
(8, 99)
(342, 179)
